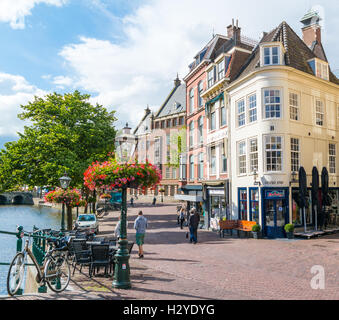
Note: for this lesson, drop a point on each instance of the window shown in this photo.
(241, 113)
(191, 102)
(213, 161)
(294, 106)
(254, 205)
(253, 155)
(162, 124)
(221, 69)
(200, 90)
(201, 165)
(174, 122)
(223, 158)
(157, 125)
(191, 167)
(168, 173)
(157, 148)
(242, 204)
(222, 114)
(252, 107)
(319, 113)
(273, 149)
(191, 134)
(322, 70)
(271, 55)
(210, 78)
(332, 156)
(174, 173)
(212, 119)
(272, 104)
(295, 150)
(181, 121)
(242, 157)
(168, 123)
(168, 139)
(200, 129)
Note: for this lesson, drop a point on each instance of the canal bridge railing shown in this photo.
(39, 247)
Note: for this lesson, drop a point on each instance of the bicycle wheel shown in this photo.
(57, 273)
(16, 274)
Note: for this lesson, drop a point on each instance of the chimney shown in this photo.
(233, 31)
(311, 29)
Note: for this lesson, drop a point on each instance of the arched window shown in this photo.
(200, 90)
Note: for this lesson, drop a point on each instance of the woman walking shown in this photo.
(181, 217)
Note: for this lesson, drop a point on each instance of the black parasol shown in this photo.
(303, 192)
(315, 191)
(326, 201)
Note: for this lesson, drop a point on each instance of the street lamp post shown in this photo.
(64, 182)
(125, 146)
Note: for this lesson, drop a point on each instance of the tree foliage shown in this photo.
(66, 133)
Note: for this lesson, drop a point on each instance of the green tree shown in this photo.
(67, 133)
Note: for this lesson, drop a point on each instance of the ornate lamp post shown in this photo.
(125, 146)
(64, 183)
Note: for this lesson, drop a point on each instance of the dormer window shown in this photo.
(272, 54)
(210, 78)
(221, 69)
(320, 68)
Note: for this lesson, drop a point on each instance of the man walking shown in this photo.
(140, 225)
(193, 223)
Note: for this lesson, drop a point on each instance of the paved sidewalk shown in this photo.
(215, 268)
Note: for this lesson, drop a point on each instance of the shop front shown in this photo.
(218, 208)
(275, 211)
(192, 197)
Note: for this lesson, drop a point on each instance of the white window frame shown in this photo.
(191, 167)
(319, 112)
(191, 100)
(223, 155)
(213, 112)
(201, 132)
(223, 107)
(253, 155)
(200, 90)
(270, 55)
(295, 154)
(332, 156)
(242, 158)
(252, 108)
(272, 150)
(200, 165)
(221, 69)
(213, 161)
(272, 103)
(321, 69)
(210, 78)
(294, 102)
(241, 113)
(191, 134)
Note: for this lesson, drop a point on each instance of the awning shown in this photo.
(186, 197)
(191, 188)
(207, 104)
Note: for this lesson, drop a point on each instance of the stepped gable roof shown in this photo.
(296, 56)
(174, 103)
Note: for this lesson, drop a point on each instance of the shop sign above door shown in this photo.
(275, 194)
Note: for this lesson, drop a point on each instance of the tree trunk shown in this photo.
(69, 218)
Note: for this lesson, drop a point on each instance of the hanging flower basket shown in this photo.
(105, 196)
(70, 197)
(113, 175)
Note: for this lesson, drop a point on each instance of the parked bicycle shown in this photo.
(55, 270)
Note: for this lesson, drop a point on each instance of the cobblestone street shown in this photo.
(215, 268)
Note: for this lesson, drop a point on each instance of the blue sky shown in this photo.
(125, 53)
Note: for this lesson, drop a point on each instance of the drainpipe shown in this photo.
(229, 136)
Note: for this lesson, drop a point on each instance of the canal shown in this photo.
(26, 216)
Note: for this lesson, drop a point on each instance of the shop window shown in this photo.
(254, 205)
(242, 204)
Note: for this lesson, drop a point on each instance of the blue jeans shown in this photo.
(193, 234)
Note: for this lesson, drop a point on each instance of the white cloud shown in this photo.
(62, 81)
(21, 93)
(15, 11)
(161, 38)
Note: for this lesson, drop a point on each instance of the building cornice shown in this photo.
(280, 68)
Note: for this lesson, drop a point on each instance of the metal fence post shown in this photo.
(19, 249)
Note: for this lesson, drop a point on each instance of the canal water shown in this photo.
(26, 216)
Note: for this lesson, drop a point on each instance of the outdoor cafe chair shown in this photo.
(82, 255)
(100, 257)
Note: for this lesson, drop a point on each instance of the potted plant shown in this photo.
(256, 231)
(289, 229)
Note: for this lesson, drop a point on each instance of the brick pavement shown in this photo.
(215, 268)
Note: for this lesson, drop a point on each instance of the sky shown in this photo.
(125, 53)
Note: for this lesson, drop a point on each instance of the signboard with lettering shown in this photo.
(275, 194)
